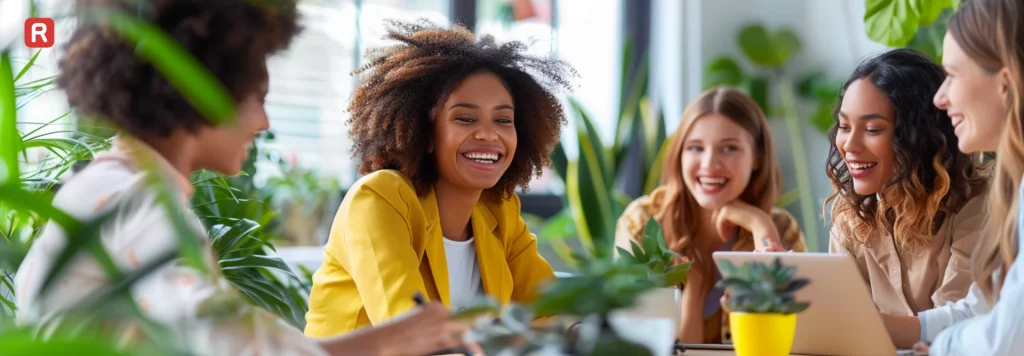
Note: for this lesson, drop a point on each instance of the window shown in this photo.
(584, 33)
(311, 84)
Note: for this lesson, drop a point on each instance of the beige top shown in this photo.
(180, 297)
(905, 283)
(716, 323)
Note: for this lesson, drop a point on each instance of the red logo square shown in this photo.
(39, 32)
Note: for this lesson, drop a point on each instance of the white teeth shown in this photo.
(482, 157)
(861, 166)
(712, 181)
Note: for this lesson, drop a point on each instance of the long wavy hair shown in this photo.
(932, 179)
(990, 33)
(680, 214)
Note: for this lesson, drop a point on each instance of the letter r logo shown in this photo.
(39, 32)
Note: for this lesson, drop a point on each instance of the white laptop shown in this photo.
(842, 319)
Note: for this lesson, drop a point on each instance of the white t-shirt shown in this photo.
(463, 271)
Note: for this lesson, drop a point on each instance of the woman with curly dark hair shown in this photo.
(907, 203)
(446, 126)
(105, 78)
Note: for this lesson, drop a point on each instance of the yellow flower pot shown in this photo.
(762, 334)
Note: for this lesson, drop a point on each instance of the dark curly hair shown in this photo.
(932, 177)
(394, 105)
(105, 78)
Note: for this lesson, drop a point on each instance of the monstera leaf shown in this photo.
(768, 49)
(895, 22)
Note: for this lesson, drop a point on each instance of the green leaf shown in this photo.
(651, 246)
(588, 192)
(16, 344)
(928, 39)
(592, 146)
(559, 161)
(558, 227)
(677, 275)
(796, 285)
(257, 261)
(28, 65)
(638, 252)
(723, 71)
(768, 50)
(798, 307)
(654, 175)
(891, 22)
(174, 62)
(757, 88)
(728, 269)
(10, 140)
(930, 11)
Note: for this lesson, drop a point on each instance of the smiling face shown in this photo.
(474, 133)
(717, 161)
(974, 99)
(865, 135)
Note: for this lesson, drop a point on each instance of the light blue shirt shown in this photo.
(1000, 331)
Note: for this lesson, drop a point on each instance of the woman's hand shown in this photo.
(422, 331)
(740, 214)
(920, 348)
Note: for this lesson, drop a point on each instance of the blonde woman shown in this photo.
(719, 185)
(983, 56)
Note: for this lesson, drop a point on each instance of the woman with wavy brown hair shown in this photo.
(907, 203)
(983, 94)
(719, 186)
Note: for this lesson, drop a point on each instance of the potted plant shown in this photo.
(614, 306)
(665, 266)
(762, 307)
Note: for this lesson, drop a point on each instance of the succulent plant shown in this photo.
(665, 266)
(759, 288)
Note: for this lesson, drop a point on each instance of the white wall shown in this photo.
(834, 41)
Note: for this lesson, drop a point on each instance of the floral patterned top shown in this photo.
(716, 322)
(190, 302)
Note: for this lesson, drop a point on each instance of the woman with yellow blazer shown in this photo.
(446, 127)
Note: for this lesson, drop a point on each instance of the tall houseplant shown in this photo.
(596, 181)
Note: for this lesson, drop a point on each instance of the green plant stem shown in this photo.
(803, 178)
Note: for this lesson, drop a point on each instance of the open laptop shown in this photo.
(842, 319)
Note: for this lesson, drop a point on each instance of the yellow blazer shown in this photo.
(386, 245)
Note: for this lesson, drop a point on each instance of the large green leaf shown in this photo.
(757, 88)
(930, 11)
(182, 70)
(928, 39)
(654, 175)
(27, 345)
(10, 140)
(892, 22)
(723, 71)
(768, 50)
(559, 161)
(590, 199)
(592, 144)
